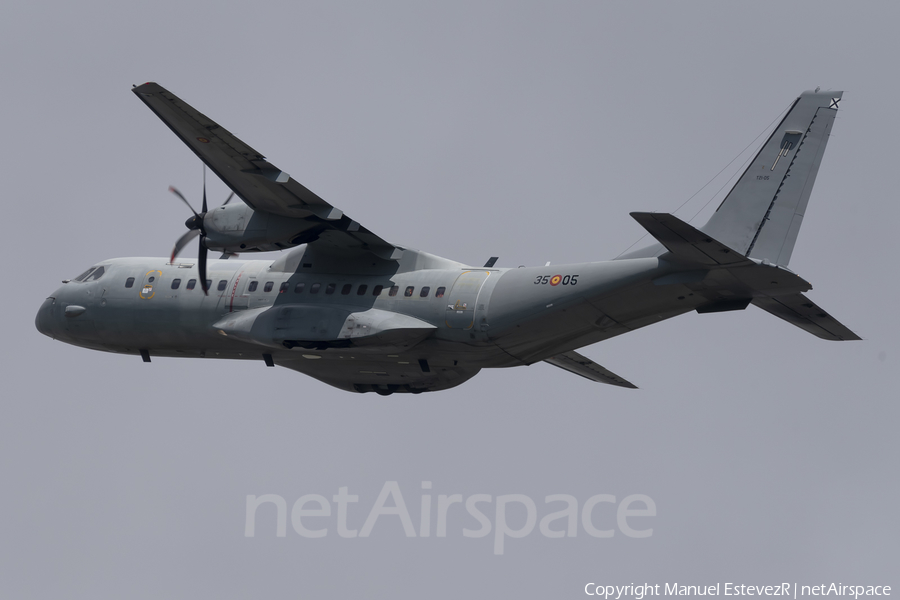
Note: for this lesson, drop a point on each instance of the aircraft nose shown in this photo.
(44, 321)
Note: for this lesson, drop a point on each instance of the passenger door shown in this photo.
(462, 299)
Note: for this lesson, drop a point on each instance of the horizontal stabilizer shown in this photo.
(799, 310)
(581, 365)
(688, 243)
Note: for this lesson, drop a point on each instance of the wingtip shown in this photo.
(642, 215)
(140, 88)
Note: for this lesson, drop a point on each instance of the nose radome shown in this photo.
(44, 319)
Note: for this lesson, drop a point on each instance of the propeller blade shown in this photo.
(227, 200)
(204, 188)
(183, 199)
(201, 265)
(182, 242)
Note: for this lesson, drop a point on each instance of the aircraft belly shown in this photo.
(382, 375)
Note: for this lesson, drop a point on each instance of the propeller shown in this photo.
(196, 228)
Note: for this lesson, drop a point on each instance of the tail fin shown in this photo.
(761, 216)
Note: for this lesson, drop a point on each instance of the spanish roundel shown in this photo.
(555, 279)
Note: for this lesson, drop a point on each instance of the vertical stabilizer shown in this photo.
(761, 216)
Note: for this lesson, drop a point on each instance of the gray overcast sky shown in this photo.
(469, 129)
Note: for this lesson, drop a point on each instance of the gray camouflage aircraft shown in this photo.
(362, 314)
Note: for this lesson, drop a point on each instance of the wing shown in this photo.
(260, 184)
(582, 365)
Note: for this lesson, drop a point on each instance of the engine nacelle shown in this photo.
(238, 228)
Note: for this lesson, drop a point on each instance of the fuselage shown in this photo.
(416, 328)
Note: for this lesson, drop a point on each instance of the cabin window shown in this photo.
(346, 289)
(253, 285)
(329, 289)
(394, 290)
(268, 287)
(209, 283)
(314, 288)
(129, 282)
(362, 290)
(409, 291)
(424, 292)
(377, 290)
(298, 289)
(191, 284)
(439, 293)
(176, 283)
(222, 284)
(283, 287)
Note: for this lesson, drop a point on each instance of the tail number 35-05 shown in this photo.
(556, 280)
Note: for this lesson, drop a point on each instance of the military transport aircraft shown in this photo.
(363, 314)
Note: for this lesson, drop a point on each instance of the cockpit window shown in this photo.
(92, 274)
(83, 275)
